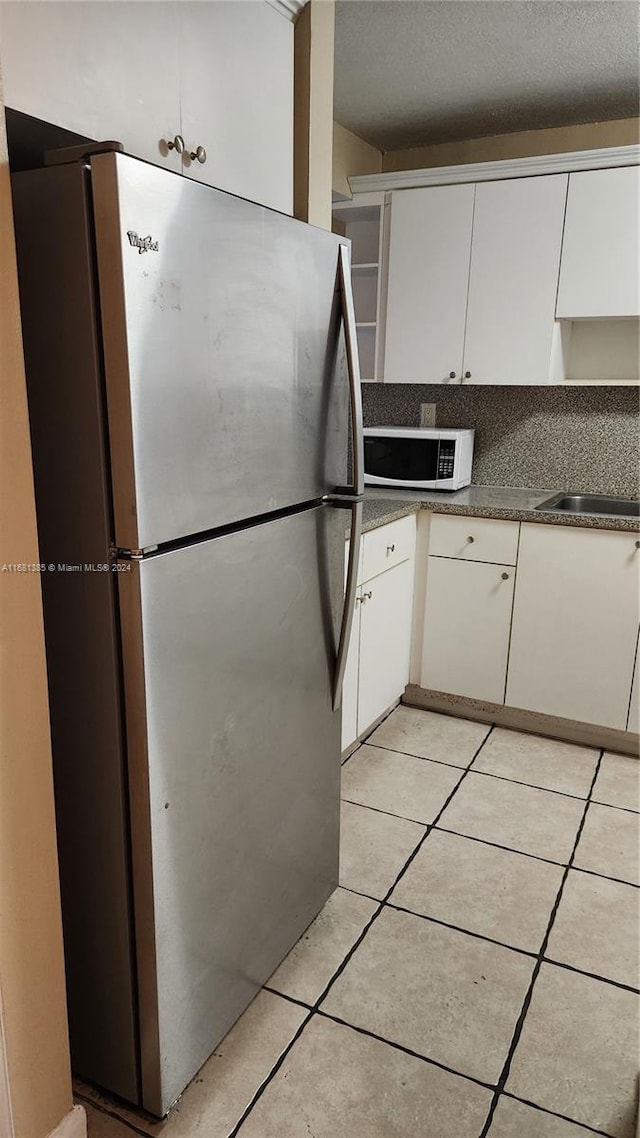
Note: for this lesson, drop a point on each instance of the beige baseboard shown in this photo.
(568, 730)
(73, 1125)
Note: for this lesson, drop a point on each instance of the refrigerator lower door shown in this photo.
(234, 754)
(225, 363)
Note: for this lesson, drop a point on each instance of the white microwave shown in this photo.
(418, 458)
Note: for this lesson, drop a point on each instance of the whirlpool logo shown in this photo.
(142, 244)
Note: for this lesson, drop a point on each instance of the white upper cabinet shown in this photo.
(236, 80)
(599, 270)
(101, 70)
(429, 250)
(513, 282)
(217, 72)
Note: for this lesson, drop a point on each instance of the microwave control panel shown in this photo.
(446, 456)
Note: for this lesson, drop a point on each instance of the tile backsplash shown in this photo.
(565, 438)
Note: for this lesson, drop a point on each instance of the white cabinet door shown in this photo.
(633, 723)
(601, 245)
(513, 283)
(466, 628)
(575, 624)
(385, 641)
(102, 70)
(237, 98)
(350, 685)
(429, 248)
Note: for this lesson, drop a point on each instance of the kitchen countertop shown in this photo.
(509, 502)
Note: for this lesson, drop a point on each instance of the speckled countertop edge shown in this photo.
(508, 503)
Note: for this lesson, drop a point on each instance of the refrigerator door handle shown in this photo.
(349, 598)
(353, 365)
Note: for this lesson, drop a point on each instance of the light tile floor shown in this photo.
(474, 976)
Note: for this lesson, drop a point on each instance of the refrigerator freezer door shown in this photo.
(229, 648)
(225, 363)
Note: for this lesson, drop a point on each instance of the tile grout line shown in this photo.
(515, 1039)
(381, 904)
(491, 774)
(101, 1109)
(257, 1095)
(357, 893)
(625, 809)
(486, 842)
(555, 1114)
(534, 954)
(498, 846)
(404, 1050)
(285, 996)
(459, 929)
(430, 1061)
(603, 876)
(591, 975)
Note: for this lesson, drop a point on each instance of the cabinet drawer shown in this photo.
(387, 546)
(474, 539)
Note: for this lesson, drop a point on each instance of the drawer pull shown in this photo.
(390, 549)
(505, 576)
(471, 540)
(637, 544)
(177, 144)
(198, 155)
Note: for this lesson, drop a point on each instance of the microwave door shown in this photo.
(395, 460)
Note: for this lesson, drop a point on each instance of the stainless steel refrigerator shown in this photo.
(196, 428)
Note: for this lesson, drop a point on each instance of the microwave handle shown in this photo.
(348, 610)
(353, 366)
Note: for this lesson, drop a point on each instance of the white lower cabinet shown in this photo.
(385, 641)
(575, 624)
(542, 618)
(377, 669)
(350, 685)
(466, 628)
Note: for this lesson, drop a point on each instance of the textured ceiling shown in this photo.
(411, 72)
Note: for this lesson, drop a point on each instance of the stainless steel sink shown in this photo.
(592, 504)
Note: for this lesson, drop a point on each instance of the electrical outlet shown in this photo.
(427, 414)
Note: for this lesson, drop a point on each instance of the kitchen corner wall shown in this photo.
(566, 438)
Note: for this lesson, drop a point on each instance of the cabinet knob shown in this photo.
(471, 539)
(177, 144)
(467, 375)
(637, 544)
(198, 155)
(390, 549)
(452, 375)
(505, 576)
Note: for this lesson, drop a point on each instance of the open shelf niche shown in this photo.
(361, 221)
